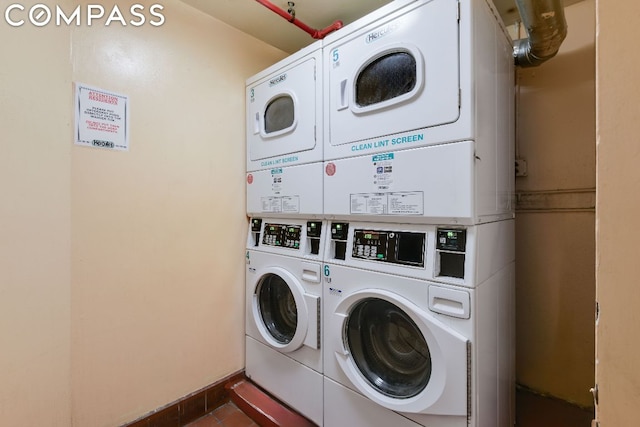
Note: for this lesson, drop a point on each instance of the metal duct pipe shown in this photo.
(546, 27)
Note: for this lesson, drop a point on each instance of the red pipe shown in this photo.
(316, 34)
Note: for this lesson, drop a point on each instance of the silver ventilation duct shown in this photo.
(546, 27)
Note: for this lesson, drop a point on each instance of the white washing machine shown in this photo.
(283, 311)
(419, 115)
(284, 136)
(419, 325)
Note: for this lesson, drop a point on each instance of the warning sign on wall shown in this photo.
(101, 118)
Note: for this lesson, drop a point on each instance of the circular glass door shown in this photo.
(388, 348)
(277, 308)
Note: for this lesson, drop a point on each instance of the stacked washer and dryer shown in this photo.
(286, 237)
(410, 193)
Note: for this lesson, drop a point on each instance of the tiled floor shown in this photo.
(228, 415)
(532, 411)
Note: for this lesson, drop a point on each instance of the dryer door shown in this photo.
(400, 356)
(282, 111)
(282, 311)
(397, 74)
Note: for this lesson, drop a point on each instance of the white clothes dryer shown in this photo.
(419, 115)
(284, 136)
(403, 350)
(283, 311)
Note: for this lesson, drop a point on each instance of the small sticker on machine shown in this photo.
(283, 204)
(407, 203)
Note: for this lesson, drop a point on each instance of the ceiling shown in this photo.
(251, 17)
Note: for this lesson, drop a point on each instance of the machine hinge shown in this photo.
(469, 385)
(594, 391)
(458, 12)
(319, 323)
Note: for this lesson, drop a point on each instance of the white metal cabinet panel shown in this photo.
(428, 31)
(288, 191)
(429, 184)
(297, 135)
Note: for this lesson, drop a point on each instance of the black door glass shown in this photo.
(277, 308)
(279, 114)
(386, 78)
(388, 348)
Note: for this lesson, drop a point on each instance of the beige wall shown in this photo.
(618, 209)
(122, 287)
(555, 219)
(34, 226)
(110, 277)
(158, 232)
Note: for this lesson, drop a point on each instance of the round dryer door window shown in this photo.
(388, 348)
(277, 308)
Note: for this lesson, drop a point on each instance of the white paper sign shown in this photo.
(101, 118)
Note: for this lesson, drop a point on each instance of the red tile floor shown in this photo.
(227, 415)
(531, 411)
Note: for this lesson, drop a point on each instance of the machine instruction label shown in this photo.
(276, 180)
(401, 203)
(281, 204)
(383, 171)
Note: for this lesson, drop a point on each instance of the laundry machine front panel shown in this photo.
(435, 184)
(294, 383)
(293, 238)
(284, 110)
(283, 306)
(413, 299)
(412, 250)
(390, 349)
(344, 407)
(392, 74)
(286, 192)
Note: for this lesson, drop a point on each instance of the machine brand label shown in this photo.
(277, 80)
(381, 32)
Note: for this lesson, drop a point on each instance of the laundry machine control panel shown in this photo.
(396, 247)
(282, 235)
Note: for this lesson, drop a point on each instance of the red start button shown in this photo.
(249, 179)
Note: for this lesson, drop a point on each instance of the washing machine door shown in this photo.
(283, 313)
(400, 356)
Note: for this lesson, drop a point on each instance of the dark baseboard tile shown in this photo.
(190, 407)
